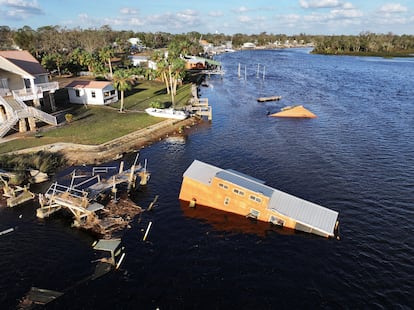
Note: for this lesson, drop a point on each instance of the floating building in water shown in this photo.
(232, 191)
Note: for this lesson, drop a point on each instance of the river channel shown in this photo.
(356, 157)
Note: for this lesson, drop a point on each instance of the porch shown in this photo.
(26, 94)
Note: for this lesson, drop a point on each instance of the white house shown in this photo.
(138, 60)
(25, 91)
(92, 92)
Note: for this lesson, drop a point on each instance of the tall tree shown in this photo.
(122, 82)
(25, 38)
(106, 54)
(6, 38)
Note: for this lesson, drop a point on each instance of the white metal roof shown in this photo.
(201, 172)
(303, 211)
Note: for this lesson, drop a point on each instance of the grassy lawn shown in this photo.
(96, 125)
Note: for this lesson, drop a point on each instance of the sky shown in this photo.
(327, 17)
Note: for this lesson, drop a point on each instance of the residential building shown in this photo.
(25, 91)
(92, 92)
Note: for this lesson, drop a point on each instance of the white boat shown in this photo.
(167, 113)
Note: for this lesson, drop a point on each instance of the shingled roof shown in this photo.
(20, 61)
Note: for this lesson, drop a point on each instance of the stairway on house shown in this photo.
(21, 111)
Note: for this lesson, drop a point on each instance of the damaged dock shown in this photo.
(85, 199)
(16, 195)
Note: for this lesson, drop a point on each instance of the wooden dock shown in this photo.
(201, 107)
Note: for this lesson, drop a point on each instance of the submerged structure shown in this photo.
(228, 190)
(296, 111)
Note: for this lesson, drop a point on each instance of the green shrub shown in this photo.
(69, 118)
(160, 105)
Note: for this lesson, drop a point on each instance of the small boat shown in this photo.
(273, 98)
(167, 113)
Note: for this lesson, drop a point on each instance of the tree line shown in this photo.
(72, 50)
(366, 43)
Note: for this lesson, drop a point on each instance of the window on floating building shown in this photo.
(238, 192)
(255, 199)
(223, 186)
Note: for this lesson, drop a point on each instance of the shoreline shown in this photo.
(77, 154)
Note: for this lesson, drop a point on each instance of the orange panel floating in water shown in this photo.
(296, 111)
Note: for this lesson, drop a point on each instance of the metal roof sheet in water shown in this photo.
(107, 245)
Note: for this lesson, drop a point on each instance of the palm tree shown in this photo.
(106, 54)
(122, 82)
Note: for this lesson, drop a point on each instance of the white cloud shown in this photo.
(348, 6)
(320, 4)
(241, 9)
(392, 8)
(215, 13)
(136, 22)
(340, 13)
(244, 19)
(128, 11)
(184, 20)
(187, 16)
(19, 9)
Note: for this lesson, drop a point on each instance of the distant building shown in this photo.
(248, 45)
(136, 44)
(138, 60)
(92, 92)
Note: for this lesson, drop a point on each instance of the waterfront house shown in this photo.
(205, 185)
(196, 63)
(92, 92)
(25, 91)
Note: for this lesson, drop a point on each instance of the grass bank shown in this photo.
(96, 125)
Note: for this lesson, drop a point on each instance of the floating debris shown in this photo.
(38, 296)
(152, 204)
(147, 231)
(112, 249)
(294, 111)
(272, 98)
(16, 195)
(6, 231)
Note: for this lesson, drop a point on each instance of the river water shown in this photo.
(356, 157)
